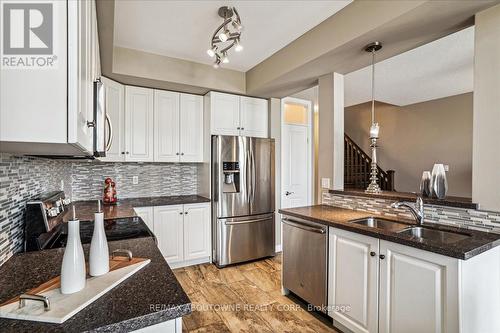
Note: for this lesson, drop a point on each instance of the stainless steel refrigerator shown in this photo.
(243, 225)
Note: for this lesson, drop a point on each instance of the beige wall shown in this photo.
(331, 131)
(414, 137)
(275, 133)
(486, 166)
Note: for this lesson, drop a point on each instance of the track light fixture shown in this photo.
(223, 38)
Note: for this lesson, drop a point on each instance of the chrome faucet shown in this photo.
(416, 209)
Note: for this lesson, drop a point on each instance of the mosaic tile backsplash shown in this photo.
(459, 217)
(22, 178)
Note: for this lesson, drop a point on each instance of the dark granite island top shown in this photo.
(477, 243)
(150, 296)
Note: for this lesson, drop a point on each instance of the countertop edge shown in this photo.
(148, 320)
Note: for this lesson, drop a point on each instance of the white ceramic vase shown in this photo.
(73, 272)
(99, 252)
(439, 182)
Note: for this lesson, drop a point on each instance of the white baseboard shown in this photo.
(189, 262)
(278, 248)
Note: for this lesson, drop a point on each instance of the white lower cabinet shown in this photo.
(168, 229)
(353, 279)
(182, 232)
(170, 326)
(146, 214)
(416, 290)
(196, 231)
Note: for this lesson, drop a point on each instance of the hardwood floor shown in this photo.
(244, 298)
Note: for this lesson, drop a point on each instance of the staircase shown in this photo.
(357, 168)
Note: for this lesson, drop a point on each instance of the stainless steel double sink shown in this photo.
(415, 232)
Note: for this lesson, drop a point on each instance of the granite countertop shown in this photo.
(477, 243)
(125, 207)
(449, 201)
(150, 296)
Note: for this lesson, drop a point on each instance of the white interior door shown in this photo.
(296, 153)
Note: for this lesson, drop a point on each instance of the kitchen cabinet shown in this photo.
(237, 115)
(139, 138)
(253, 117)
(168, 229)
(353, 279)
(146, 214)
(191, 128)
(178, 125)
(414, 281)
(415, 291)
(54, 103)
(115, 109)
(182, 231)
(166, 130)
(196, 231)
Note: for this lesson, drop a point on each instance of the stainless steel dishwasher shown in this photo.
(305, 260)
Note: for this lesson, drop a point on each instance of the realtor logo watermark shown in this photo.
(28, 36)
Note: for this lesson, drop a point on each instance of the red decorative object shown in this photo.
(109, 197)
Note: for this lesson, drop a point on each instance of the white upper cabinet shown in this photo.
(54, 104)
(238, 115)
(115, 95)
(191, 128)
(178, 127)
(225, 114)
(166, 126)
(139, 136)
(253, 117)
(353, 279)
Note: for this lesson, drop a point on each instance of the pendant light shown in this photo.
(373, 187)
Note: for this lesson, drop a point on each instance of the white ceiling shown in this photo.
(439, 69)
(182, 29)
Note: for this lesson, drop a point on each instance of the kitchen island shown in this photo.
(149, 297)
(388, 278)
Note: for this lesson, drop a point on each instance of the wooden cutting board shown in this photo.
(63, 307)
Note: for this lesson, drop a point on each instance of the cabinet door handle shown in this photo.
(110, 133)
(242, 128)
(123, 153)
(238, 128)
(177, 154)
(373, 254)
(127, 153)
(382, 257)
(181, 213)
(185, 213)
(182, 154)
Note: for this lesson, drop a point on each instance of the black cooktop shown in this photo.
(116, 229)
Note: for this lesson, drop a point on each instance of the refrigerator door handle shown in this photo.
(248, 221)
(248, 175)
(254, 176)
